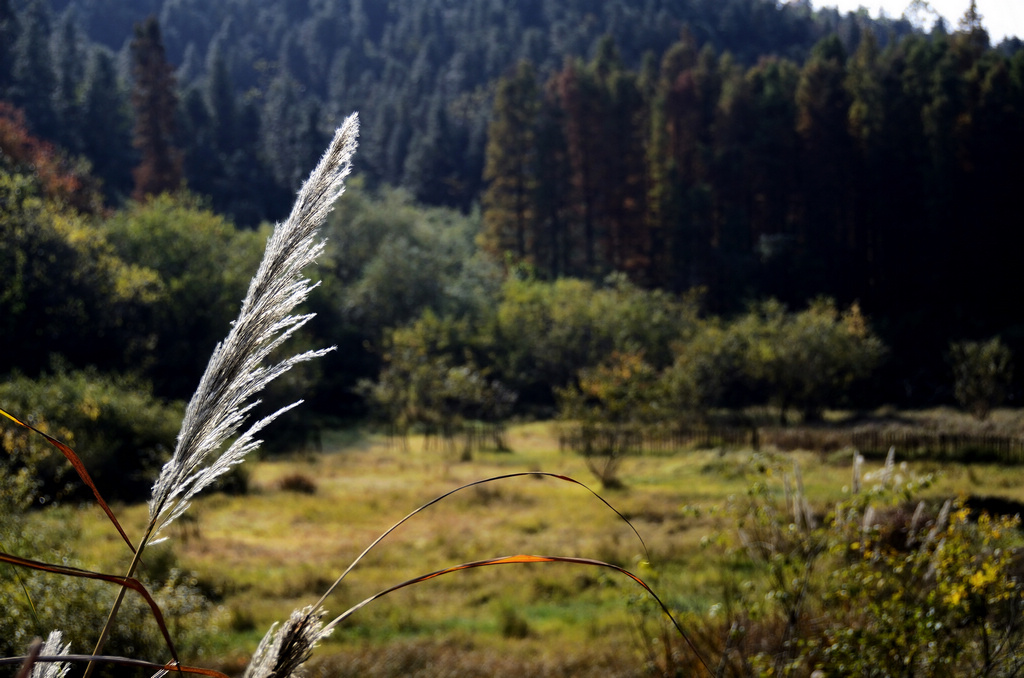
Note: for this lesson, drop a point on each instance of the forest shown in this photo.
(733, 152)
(266, 83)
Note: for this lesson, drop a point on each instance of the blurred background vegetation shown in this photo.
(754, 202)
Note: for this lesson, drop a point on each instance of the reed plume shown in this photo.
(53, 647)
(237, 371)
(283, 650)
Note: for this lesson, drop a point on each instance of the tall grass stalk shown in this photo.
(215, 436)
(238, 368)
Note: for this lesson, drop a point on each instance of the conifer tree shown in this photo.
(106, 115)
(155, 101)
(510, 202)
(584, 110)
(625, 241)
(8, 39)
(553, 185)
(972, 38)
(430, 170)
(823, 108)
(70, 74)
(34, 81)
(220, 98)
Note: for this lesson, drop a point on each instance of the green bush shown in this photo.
(982, 371)
(877, 585)
(807, 360)
(544, 333)
(35, 603)
(202, 265)
(65, 289)
(430, 381)
(708, 369)
(613, 407)
(120, 431)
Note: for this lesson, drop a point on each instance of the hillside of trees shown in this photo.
(259, 86)
(886, 176)
(542, 188)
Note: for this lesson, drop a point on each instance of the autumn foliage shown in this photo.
(59, 178)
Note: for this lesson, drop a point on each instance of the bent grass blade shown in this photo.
(79, 467)
(123, 582)
(118, 661)
(541, 474)
(505, 560)
(523, 559)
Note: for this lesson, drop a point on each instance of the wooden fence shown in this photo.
(465, 437)
(909, 444)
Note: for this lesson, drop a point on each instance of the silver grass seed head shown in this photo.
(52, 648)
(284, 649)
(237, 371)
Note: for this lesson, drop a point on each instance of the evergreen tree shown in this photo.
(155, 101)
(290, 132)
(9, 30)
(625, 236)
(510, 217)
(869, 165)
(972, 38)
(822, 123)
(431, 171)
(689, 90)
(70, 75)
(553, 189)
(220, 100)
(584, 109)
(194, 134)
(35, 83)
(106, 116)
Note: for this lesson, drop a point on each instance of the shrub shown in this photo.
(121, 432)
(879, 585)
(807, 360)
(430, 380)
(35, 603)
(982, 371)
(612, 406)
(298, 482)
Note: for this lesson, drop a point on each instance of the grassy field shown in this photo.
(263, 554)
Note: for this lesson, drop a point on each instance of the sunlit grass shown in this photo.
(266, 553)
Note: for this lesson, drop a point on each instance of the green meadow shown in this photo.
(307, 516)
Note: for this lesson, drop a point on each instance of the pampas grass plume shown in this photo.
(237, 371)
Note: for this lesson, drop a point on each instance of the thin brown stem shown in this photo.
(136, 559)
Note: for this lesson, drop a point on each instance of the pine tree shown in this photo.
(509, 216)
(689, 90)
(584, 109)
(34, 81)
(824, 221)
(430, 169)
(554, 249)
(70, 74)
(220, 99)
(875, 166)
(624, 234)
(972, 38)
(9, 30)
(106, 115)
(155, 101)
